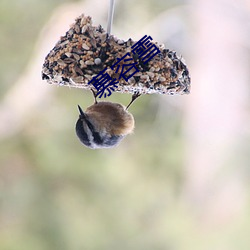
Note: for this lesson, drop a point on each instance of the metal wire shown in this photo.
(110, 15)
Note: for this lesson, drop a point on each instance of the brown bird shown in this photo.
(104, 124)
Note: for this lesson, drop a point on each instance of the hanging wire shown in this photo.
(110, 16)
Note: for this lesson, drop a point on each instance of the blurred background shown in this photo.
(180, 182)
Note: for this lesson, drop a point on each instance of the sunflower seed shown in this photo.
(85, 46)
(88, 62)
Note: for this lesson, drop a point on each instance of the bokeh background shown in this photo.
(180, 182)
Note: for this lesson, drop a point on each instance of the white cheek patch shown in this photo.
(89, 133)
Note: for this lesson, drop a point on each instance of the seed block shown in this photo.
(86, 50)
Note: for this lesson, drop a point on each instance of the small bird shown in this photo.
(104, 124)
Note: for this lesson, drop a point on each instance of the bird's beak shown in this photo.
(82, 115)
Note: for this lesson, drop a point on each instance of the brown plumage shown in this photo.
(110, 117)
(104, 124)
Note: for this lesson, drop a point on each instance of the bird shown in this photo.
(104, 124)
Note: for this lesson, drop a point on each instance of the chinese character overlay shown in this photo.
(130, 65)
(103, 81)
(145, 49)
